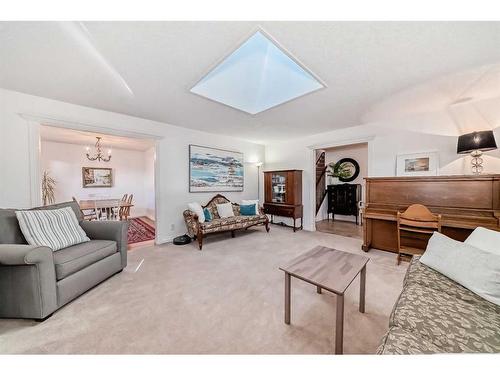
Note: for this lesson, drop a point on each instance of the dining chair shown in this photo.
(101, 212)
(87, 214)
(116, 209)
(126, 209)
(415, 226)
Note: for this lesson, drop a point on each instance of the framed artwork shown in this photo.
(421, 164)
(351, 167)
(214, 170)
(97, 177)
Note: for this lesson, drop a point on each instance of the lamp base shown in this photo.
(477, 162)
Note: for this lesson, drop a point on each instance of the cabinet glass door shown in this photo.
(278, 186)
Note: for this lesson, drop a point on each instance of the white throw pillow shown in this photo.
(485, 239)
(56, 229)
(245, 202)
(198, 210)
(475, 269)
(225, 210)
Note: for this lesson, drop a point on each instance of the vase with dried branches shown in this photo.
(48, 188)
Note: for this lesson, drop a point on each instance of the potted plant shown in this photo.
(48, 186)
(337, 170)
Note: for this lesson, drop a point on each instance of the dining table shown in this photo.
(106, 204)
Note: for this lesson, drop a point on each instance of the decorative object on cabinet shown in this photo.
(343, 199)
(342, 170)
(346, 169)
(421, 164)
(476, 143)
(449, 196)
(213, 169)
(97, 177)
(415, 223)
(283, 195)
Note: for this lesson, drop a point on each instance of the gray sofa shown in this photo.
(434, 314)
(36, 281)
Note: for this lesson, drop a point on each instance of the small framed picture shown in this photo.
(420, 164)
(97, 177)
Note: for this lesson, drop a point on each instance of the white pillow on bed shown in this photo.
(485, 239)
(475, 269)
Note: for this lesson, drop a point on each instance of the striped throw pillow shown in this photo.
(56, 229)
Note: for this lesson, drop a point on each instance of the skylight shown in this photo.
(255, 77)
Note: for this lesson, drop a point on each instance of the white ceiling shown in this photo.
(146, 69)
(63, 135)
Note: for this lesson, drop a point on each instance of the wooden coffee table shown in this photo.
(332, 270)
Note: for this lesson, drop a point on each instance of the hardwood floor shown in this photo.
(342, 228)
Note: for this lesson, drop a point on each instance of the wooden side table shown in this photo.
(332, 270)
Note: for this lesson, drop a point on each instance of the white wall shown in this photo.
(149, 182)
(132, 172)
(358, 152)
(172, 179)
(385, 142)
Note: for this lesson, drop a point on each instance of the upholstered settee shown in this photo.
(36, 281)
(217, 224)
(434, 314)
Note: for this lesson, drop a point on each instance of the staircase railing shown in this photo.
(320, 180)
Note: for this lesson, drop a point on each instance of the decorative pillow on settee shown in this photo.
(198, 210)
(225, 210)
(485, 239)
(475, 269)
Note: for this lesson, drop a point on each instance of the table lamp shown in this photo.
(476, 143)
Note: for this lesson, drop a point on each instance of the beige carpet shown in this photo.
(227, 298)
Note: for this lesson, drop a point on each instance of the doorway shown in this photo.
(339, 200)
(111, 177)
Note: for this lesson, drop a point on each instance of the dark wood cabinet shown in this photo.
(283, 195)
(343, 199)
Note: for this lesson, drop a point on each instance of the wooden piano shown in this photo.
(465, 202)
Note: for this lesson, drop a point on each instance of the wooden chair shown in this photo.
(87, 214)
(418, 220)
(125, 211)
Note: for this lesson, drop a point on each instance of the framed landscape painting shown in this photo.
(97, 177)
(214, 170)
(421, 164)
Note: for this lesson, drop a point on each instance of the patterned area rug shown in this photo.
(139, 231)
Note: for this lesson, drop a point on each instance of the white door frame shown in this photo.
(34, 139)
(312, 165)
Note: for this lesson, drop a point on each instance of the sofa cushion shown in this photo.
(452, 324)
(75, 258)
(399, 341)
(212, 205)
(225, 210)
(419, 273)
(230, 223)
(475, 269)
(56, 229)
(10, 232)
(485, 239)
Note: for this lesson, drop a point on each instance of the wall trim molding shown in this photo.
(83, 126)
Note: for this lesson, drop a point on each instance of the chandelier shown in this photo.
(98, 156)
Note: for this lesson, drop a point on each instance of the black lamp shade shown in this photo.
(476, 141)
